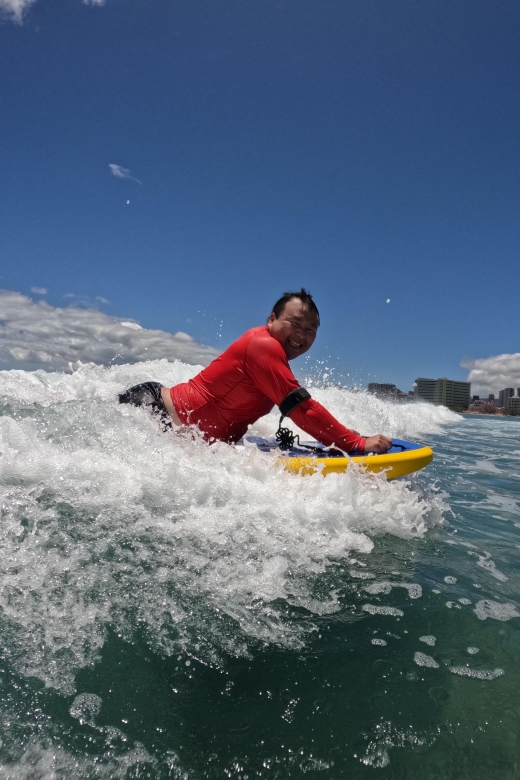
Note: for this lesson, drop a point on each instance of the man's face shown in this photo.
(295, 328)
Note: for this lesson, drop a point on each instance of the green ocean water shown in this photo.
(169, 611)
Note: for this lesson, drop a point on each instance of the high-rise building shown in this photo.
(504, 396)
(443, 391)
(425, 389)
(451, 393)
(491, 398)
(383, 390)
(513, 406)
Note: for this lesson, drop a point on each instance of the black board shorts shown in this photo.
(148, 394)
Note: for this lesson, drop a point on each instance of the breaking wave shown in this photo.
(108, 524)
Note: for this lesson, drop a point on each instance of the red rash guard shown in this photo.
(243, 384)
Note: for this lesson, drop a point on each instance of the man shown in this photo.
(249, 378)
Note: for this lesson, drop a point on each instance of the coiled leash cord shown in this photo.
(284, 436)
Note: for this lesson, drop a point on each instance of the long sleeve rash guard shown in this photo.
(243, 384)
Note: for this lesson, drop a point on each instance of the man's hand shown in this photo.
(378, 444)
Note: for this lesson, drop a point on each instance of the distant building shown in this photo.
(389, 392)
(476, 398)
(504, 396)
(384, 390)
(425, 389)
(513, 406)
(447, 392)
(491, 398)
(482, 407)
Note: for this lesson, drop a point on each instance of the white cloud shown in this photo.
(120, 172)
(37, 335)
(15, 9)
(38, 290)
(84, 301)
(492, 374)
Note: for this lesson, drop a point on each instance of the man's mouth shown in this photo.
(294, 345)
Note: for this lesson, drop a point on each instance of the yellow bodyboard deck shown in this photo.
(403, 458)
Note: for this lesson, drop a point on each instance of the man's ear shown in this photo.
(271, 318)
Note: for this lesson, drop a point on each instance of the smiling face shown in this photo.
(295, 328)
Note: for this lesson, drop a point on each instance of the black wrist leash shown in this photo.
(284, 436)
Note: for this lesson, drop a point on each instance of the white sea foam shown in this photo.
(485, 562)
(505, 503)
(374, 609)
(487, 466)
(378, 587)
(107, 523)
(85, 707)
(421, 659)
(479, 674)
(414, 590)
(42, 762)
(429, 639)
(361, 575)
(493, 609)
(381, 642)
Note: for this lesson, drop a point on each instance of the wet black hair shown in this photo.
(303, 295)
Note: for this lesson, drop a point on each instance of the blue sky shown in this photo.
(366, 149)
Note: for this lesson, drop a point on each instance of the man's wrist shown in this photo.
(360, 447)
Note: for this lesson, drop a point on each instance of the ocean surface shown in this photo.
(173, 610)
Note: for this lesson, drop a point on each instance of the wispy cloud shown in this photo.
(120, 172)
(15, 9)
(39, 290)
(489, 375)
(37, 335)
(85, 301)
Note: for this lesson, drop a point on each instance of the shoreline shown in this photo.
(491, 416)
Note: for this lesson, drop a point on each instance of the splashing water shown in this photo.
(109, 523)
(169, 609)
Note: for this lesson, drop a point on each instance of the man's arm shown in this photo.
(316, 420)
(268, 368)
(322, 426)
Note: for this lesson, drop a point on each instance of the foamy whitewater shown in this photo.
(120, 542)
